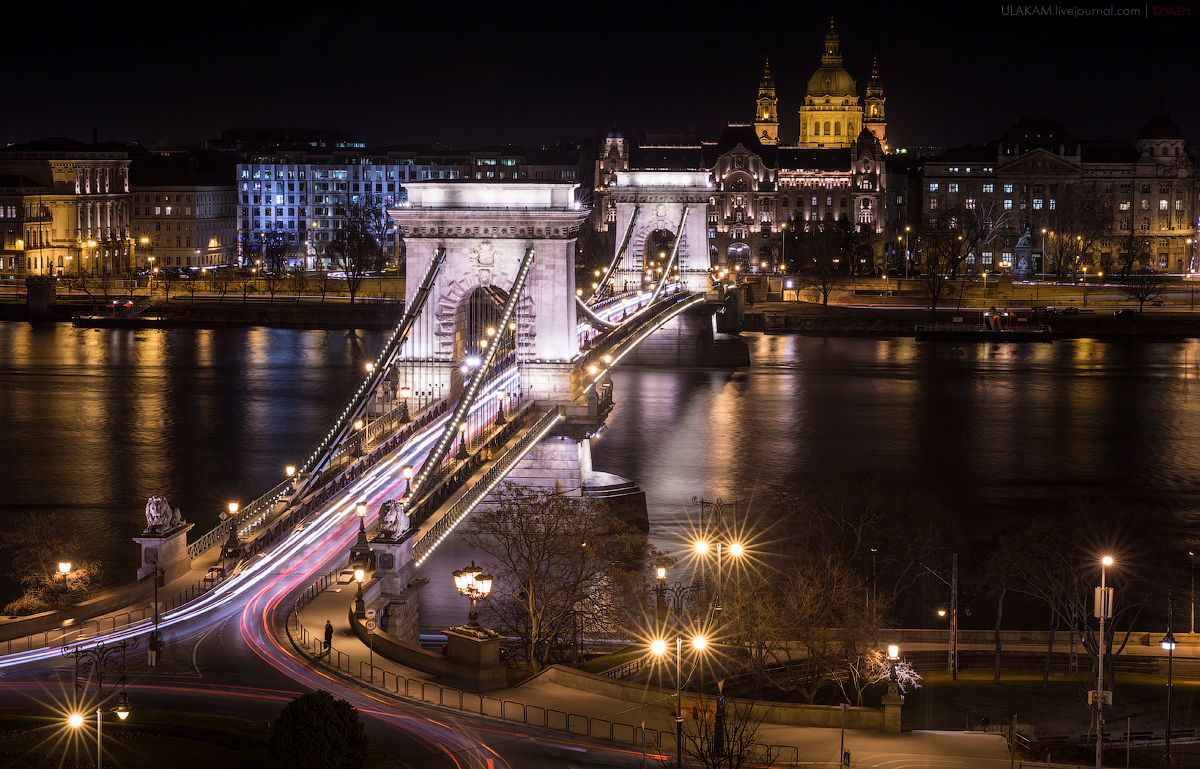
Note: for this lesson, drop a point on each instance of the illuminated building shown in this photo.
(67, 204)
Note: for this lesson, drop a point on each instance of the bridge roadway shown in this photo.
(239, 657)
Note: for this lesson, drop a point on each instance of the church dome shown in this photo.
(1160, 127)
(831, 79)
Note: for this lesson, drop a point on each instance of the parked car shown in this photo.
(1069, 311)
(1125, 312)
(1157, 303)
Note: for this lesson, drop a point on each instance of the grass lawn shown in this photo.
(609, 661)
(35, 739)
(1061, 708)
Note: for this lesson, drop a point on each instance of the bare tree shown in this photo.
(1142, 289)
(300, 281)
(943, 247)
(559, 564)
(1080, 221)
(821, 247)
(358, 247)
(724, 734)
(193, 283)
(323, 283)
(1133, 248)
(222, 281)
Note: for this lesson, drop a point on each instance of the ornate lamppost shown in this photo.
(64, 598)
(474, 584)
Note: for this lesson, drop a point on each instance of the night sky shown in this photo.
(529, 74)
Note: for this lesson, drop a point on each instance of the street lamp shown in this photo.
(65, 598)
(499, 407)
(659, 647)
(1103, 611)
(405, 392)
(408, 474)
(474, 584)
(360, 609)
(1168, 643)
(461, 454)
(122, 711)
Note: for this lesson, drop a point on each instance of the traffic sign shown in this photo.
(845, 759)
(370, 624)
(370, 614)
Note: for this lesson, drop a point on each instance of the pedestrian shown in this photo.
(328, 635)
(152, 649)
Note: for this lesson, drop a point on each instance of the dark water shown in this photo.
(94, 422)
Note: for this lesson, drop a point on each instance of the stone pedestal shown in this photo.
(394, 567)
(893, 701)
(40, 293)
(168, 550)
(473, 654)
(396, 590)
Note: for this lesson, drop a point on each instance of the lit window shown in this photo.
(1124, 205)
(952, 187)
(1037, 204)
(933, 186)
(1162, 205)
(933, 204)
(1008, 205)
(1008, 188)
(987, 188)
(969, 204)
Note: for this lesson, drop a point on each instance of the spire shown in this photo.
(766, 120)
(831, 57)
(874, 87)
(767, 82)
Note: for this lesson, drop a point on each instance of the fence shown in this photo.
(109, 624)
(433, 693)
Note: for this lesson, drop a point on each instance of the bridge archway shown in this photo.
(656, 249)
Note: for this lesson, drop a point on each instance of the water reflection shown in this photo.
(94, 422)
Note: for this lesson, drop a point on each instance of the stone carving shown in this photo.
(485, 255)
(1023, 242)
(387, 562)
(150, 554)
(393, 521)
(160, 518)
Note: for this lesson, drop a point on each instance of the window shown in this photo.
(814, 201)
(1123, 205)
(1162, 205)
(1145, 205)
(952, 187)
(933, 186)
(969, 204)
(1008, 205)
(828, 201)
(1008, 188)
(1037, 204)
(1178, 205)
(933, 223)
(985, 257)
(988, 187)
(933, 204)
(971, 260)
(1145, 224)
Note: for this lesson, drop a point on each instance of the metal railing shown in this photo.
(424, 546)
(432, 693)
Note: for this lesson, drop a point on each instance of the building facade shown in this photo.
(1106, 196)
(184, 225)
(68, 204)
(831, 115)
(301, 194)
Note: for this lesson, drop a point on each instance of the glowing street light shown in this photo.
(659, 647)
(472, 583)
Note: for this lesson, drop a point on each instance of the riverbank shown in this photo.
(817, 320)
(212, 312)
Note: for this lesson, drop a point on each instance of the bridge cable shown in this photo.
(333, 440)
(599, 292)
(439, 450)
(674, 254)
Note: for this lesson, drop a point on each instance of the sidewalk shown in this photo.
(583, 714)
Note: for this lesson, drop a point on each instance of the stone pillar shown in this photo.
(397, 590)
(168, 550)
(474, 656)
(893, 702)
(41, 291)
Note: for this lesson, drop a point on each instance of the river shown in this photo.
(94, 422)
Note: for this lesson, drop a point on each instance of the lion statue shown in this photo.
(160, 518)
(393, 521)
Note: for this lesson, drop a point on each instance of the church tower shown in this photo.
(874, 118)
(766, 119)
(831, 115)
